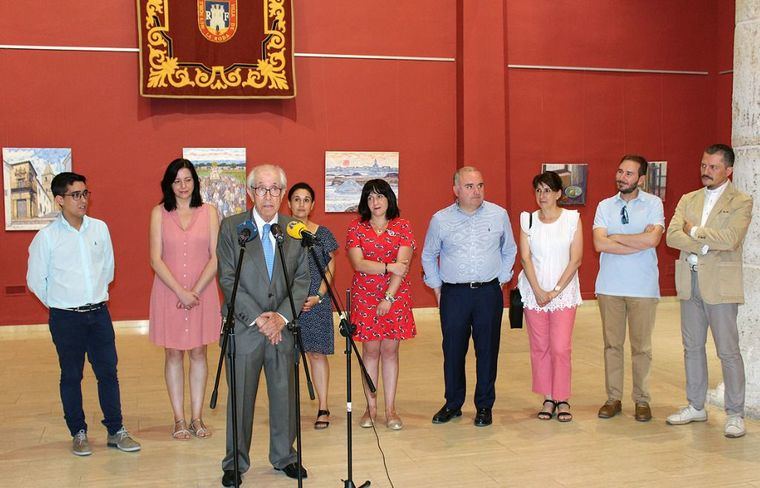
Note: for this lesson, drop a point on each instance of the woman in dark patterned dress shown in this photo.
(316, 317)
(380, 247)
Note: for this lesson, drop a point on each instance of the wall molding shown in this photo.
(23, 47)
(607, 70)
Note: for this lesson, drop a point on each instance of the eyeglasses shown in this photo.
(76, 195)
(624, 214)
(261, 191)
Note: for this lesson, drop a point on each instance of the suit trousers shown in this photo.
(696, 317)
(277, 362)
(471, 311)
(640, 314)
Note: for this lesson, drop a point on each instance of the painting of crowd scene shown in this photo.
(574, 181)
(656, 179)
(222, 175)
(347, 171)
(27, 174)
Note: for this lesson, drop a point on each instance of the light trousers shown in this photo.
(551, 340)
(639, 313)
(696, 317)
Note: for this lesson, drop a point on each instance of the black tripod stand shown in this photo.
(295, 329)
(246, 233)
(346, 330)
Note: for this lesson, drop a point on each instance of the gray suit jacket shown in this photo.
(256, 294)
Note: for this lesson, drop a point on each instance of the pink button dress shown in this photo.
(186, 253)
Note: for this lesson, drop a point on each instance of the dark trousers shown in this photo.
(466, 311)
(74, 335)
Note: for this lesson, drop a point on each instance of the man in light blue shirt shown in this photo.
(627, 229)
(70, 267)
(468, 255)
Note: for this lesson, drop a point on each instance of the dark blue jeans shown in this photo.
(74, 335)
(477, 312)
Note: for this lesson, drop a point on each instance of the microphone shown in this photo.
(276, 231)
(246, 232)
(298, 230)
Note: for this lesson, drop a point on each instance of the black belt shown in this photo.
(90, 307)
(475, 284)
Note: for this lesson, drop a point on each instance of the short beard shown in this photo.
(626, 191)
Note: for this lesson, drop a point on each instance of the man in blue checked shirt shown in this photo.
(628, 227)
(468, 255)
(70, 267)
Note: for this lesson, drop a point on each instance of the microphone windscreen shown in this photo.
(295, 229)
(276, 231)
(246, 232)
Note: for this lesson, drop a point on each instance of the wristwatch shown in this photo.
(390, 297)
(321, 296)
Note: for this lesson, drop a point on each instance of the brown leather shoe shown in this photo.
(643, 412)
(610, 409)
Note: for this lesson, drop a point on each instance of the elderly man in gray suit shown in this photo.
(262, 310)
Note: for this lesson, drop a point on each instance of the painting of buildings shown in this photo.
(27, 174)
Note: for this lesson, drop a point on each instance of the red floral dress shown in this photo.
(368, 289)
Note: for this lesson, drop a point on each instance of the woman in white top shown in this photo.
(551, 248)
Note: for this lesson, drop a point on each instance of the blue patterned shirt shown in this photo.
(463, 248)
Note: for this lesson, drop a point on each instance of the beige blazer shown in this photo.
(719, 272)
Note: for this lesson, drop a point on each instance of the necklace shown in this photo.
(379, 229)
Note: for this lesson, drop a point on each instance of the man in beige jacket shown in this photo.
(708, 228)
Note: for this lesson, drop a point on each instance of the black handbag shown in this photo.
(515, 309)
(515, 300)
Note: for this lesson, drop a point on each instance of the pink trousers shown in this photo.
(550, 336)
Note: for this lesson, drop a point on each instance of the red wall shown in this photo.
(437, 114)
(596, 117)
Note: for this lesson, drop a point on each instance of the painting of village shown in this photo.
(27, 173)
(347, 171)
(222, 174)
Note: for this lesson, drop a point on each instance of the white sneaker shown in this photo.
(734, 426)
(687, 415)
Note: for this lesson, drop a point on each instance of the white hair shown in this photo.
(251, 180)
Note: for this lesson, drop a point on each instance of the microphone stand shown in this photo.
(347, 330)
(295, 329)
(228, 336)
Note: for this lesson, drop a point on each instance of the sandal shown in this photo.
(543, 414)
(180, 430)
(322, 424)
(199, 429)
(564, 416)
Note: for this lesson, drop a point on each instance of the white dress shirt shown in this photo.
(711, 198)
(68, 267)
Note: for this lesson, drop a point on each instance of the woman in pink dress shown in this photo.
(184, 301)
(380, 245)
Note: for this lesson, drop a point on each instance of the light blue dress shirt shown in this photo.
(68, 267)
(629, 275)
(464, 248)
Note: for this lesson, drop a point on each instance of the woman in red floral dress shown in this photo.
(380, 246)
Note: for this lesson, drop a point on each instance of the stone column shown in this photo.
(746, 143)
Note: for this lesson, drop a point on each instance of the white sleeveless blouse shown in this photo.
(550, 253)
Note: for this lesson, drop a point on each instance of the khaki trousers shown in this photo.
(639, 313)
